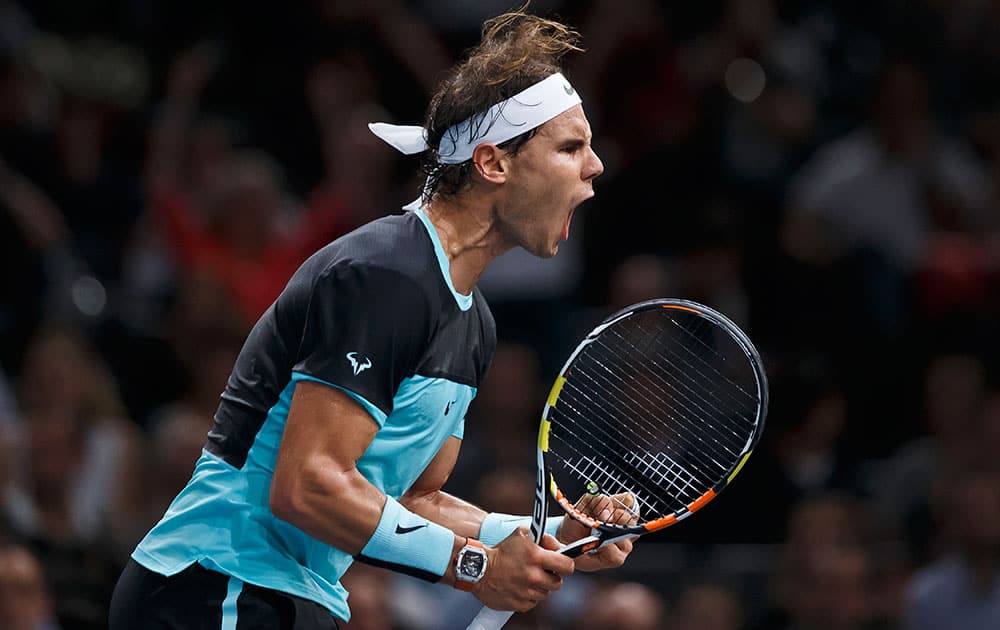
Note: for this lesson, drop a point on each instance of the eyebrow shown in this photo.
(576, 136)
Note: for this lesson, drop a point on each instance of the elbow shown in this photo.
(284, 501)
(306, 494)
(289, 498)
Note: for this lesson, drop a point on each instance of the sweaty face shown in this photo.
(549, 177)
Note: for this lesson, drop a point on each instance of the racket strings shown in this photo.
(585, 460)
(684, 384)
(654, 482)
(749, 397)
(659, 402)
(705, 397)
(746, 401)
(657, 409)
(655, 406)
(625, 442)
(608, 483)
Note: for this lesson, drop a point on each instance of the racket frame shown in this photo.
(602, 534)
(605, 533)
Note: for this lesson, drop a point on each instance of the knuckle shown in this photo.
(538, 582)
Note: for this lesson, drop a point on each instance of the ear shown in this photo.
(490, 163)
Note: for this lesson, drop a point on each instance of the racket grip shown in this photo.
(489, 619)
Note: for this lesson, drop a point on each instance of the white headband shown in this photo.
(508, 119)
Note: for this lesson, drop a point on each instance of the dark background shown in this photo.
(824, 173)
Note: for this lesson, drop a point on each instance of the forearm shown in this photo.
(344, 510)
(461, 517)
(338, 507)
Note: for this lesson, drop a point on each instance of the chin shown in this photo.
(545, 250)
(542, 253)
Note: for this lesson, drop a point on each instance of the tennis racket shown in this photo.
(657, 409)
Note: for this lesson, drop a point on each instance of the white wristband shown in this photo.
(497, 526)
(406, 543)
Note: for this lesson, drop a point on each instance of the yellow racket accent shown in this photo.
(556, 390)
(739, 466)
(543, 435)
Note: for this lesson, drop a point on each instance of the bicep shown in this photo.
(326, 430)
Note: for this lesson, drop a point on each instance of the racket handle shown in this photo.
(489, 619)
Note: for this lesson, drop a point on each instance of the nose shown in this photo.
(594, 167)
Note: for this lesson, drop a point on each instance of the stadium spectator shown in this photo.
(961, 589)
(25, 601)
(706, 607)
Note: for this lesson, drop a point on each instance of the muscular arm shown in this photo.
(316, 485)
(426, 498)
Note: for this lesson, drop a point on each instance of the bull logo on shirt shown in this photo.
(359, 365)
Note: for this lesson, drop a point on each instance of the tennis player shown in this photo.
(344, 413)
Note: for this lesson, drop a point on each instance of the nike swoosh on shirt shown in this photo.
(406, 530)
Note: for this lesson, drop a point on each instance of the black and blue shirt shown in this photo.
(374, 314)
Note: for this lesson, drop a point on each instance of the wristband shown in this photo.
(497, 526)
(406, 543)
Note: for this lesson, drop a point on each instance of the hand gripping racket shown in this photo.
(661, 403)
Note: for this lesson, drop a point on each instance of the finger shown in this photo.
(616, 554)
(623, 517)
(526, 604)
(556, 562)
(550, 542)
(627, 502)
(601, 508)
(611, 556)
(584, 503)
(546, 582)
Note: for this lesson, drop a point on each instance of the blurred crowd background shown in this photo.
(825, 173)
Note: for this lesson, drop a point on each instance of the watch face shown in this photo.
(472, 564)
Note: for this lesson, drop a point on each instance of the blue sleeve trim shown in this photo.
(407, 543)
(497, 526)
(377, 414)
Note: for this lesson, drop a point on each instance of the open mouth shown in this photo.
(569, 219)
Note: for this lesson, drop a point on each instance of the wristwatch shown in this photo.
(470, 565)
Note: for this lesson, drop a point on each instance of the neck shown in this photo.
(470, 236)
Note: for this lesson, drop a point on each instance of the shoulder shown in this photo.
(390, 252)
(394, 248)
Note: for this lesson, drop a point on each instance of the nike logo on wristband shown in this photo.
(406, 530)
